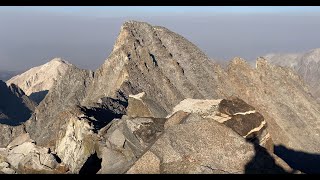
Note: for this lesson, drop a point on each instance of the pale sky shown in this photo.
(84, 36)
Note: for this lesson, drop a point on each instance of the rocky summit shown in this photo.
(158, 104)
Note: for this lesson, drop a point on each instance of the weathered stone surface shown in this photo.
(31, 164)
(234, 105)
(204, 107)
(177, 118)
(22, 138)
(9, 133)
(146, 130)
(27, 158)
(139, 106)
(4, 165)
(115, 161)
(18, 153)
(117, 138)
(247, 124)
(76, 142)
(147, 164)
(7, 171)
(209, 147)
(126, 140)
(3, 154)
(233, 112)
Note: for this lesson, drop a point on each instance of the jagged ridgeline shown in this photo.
(306, 64)
(158, 104)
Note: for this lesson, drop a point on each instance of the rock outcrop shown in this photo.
(24, 157)
(233, 112)
(44, 124)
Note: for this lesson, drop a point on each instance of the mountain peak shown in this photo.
(41, 78)
(59, 60)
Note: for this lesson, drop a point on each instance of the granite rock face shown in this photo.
(44, 124)
(76, 141)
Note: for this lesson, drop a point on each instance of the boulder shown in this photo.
(140, 106)
(206, 147)
(76, 142)
(232, 112)
(7, 171)
(147, 164)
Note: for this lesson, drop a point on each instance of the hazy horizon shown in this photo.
(84, 36)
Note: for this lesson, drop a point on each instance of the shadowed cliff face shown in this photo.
(38, 96)
(15, 109)
(15, 106)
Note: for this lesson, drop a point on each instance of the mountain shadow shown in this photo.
(38, 96)
(92, 165)
(305, 162)
(105, 112)
(262, 162)
(15, 106)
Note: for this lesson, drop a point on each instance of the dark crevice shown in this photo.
(122, 97)
(145, 64)
(105, 112)
(92, 165)
(153, 59)
(57, 158)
